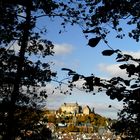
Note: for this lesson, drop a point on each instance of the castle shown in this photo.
(74, 108)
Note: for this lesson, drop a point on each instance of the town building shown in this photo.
(70, 108)
(74, 108)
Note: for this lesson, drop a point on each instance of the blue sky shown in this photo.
(72, 51)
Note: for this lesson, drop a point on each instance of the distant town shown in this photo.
(74, 122)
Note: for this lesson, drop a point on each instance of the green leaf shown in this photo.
(108, 52)
(75, 78)
(110, 106)
(40, 47)
(127, 82)
(94, 41)
(134, 86)
(124, 66)
(119, 56)
(66, 69)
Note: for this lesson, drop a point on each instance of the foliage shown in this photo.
(76, 123)
(22, 71)
(126, 90)
(72, 128)
(106, 16)
(102, 16)
(20, 76)
(25, 120)
(52, 119)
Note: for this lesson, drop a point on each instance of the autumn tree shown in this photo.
(52, 118)
(18, 72)
(22, 71)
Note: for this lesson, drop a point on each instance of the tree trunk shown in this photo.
(11, 125)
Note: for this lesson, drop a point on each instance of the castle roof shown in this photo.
(70, 104)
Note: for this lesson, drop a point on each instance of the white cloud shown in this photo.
(59, 63)
(62, 49)
(113, 70)
(134, 54)
(55, 97)
(55, 100)
(59, 49)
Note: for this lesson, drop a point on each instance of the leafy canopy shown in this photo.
(103, 17)
(18, 72)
